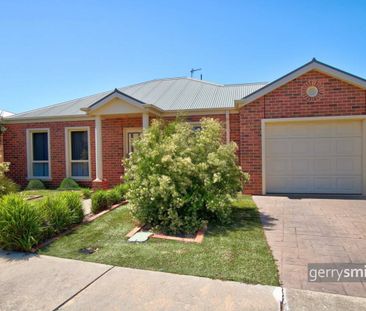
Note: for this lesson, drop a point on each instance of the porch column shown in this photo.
(145, 120)
(98, 150)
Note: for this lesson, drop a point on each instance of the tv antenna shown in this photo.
(193, 70)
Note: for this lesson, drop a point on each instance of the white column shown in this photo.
(227, 123)
(145, 120)
(98, 149)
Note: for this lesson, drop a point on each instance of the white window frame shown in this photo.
(68, 131)
(126, 131)
(30, 160)
(195, 124)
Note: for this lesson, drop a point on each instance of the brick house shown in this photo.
(303, 133)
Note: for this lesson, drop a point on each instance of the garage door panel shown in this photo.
(301, 166)
(317, 129)
(348, 146)
(323, 166)
(279, 166)
(314, 157)
(324, 146)
(278, 183)
(348, 166)
(349, 184)
(301, 147)
(278, 147)
(279, 131)
(348, 129)
(301, 184)
(324, 184)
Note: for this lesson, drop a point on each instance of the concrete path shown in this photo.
(315, 230)
(29, 282)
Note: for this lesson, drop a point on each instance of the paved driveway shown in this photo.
(315, 230)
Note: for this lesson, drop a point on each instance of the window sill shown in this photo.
(78, 178)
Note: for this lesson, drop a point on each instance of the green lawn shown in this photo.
(44, 193)
(237, 252)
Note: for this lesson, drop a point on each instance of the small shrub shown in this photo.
(100, 201)
(122, 190)
(113, 197)
(87, 193)
(20, 223)
(35, 184)
(74, 204)
(56, 214)
(69, 184)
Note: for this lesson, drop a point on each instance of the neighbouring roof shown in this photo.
(4, 113)
(170, 94)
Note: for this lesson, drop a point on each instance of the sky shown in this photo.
(53, 51)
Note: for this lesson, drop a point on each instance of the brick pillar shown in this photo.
(100, 184)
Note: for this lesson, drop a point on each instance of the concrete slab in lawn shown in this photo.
(30, 282)
(302, 300)
(130, 289)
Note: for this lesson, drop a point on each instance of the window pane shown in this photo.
(40, 146)
(79, 145)
(131, 137)
(40, 169)
(80, 169)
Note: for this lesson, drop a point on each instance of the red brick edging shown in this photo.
(197, 239)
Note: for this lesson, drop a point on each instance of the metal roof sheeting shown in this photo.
(166, 94)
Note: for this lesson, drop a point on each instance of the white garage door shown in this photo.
(313, 157)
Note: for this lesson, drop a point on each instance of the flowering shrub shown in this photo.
(180, 179)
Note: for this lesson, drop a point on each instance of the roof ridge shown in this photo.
(204, 81)
(246, 83)
(152, 80)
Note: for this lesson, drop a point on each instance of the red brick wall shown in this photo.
(250, 143)
(336, 98)
(15, 150)
(112, 137)
(235, 130)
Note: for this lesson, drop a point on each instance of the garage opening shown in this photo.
(323, 157)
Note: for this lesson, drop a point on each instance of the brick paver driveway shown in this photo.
(315, 230)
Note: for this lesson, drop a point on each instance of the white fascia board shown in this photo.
(48, 119)
(111, 96)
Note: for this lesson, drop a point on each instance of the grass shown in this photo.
(237, 252)
(43, 192)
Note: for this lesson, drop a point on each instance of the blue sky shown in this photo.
(51, 51)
